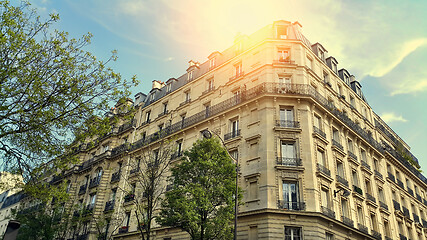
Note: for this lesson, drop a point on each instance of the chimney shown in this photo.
(157, 84)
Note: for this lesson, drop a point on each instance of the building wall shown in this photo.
(256, 99)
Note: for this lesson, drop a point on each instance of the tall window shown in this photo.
(344, 207)
(329, 236)
(285, 80)
(113, 194)
(238, 69)
(325, 77)
(147, 116)
(381, 195)
(288, 149)
(212, 63)
(283, 55)
(187, 96)
(234, 127)
(360, 215)
(190, 76)
(168, 87)
(290, 195)
(165, 108)
(336, 135)
(386, 229)
(350, 145)
(355, 178)
(210, 84)
(363, 155)
(352, 102)
(318, 122)
(293, 233)
(325, 198)
(286, 117)
(340, 169)
(321, 157)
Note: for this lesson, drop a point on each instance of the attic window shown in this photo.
(212, 63)
(282, 32)
(168, 87)
(283, 55)
(190, 76)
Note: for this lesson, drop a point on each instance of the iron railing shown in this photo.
(232, 135)
(416, 218)
(352, 155)
(383, 205)
(419, 198)
(378, 174)
(328, 212)
(362, 228)
(370, 198)
(176, 155)
(323, 169)
(376, 235)
(406, 212)
(391, 177)
(366, 165)
(396, 205)
(94, 182)
(296, 206)
(287, 124)
(292, 162)
(115, 177)
(347, 221)
(109, 206)
(337, 144)
(82, 189)
(400, 183)
(129, 125)
(129, 197)
(357, 190)
(410, 191)
(123, 229)
(342, 180)
(319, 131)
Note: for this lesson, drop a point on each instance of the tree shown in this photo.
(201, 201)
(148, 177)
(51, 90)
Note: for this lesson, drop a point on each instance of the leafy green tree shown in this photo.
(202, 199)
(51, 89)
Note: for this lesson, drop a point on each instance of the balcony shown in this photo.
(287, 124)
(419, 198)
(328, 212)
(94, 182)
(388, 238)
(322, 169)
(347, 221)
(163, 113)
(238, 75)
(134, 170)
(416, 218)
(318, 131)
(232, 135)
(383, 205)
(358, 190)
(295, 206)
(337, 145)
(129, 197)
(396, 205)
(82, 189)
(406, 212)
(391, 177)
(115, 177)
(124, 229)
(362, 228)
(211, 89)
(424, 223)
(352, 155)
(109, 206)
(425, 202)
(127, 126)
(187, 101)
(284, 61)
(400, 183)
(378, 174)
(370, 198)
(289, 162)
(342, 180)
(366, 165)
(410, 191)
(176, 155)
(376, 235)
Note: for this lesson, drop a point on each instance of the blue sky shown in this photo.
(383, 43)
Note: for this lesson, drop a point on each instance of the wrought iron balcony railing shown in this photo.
(287, 124)
(362, 228)
(357, 190)
(328, 212)
(129, 197)
(366, 165)
(94, 182)
(290, 162)
(347, 221)
(396, 205)
(176, 155)
(378, 174)
(400, 183)
(391, 177)
(352, 155)
(323, 169)
(337, 144)
(185, 102)
(232, 135)
(296, 206)
(109, 206)
(406, 212)
(370, 198)
(342, 180)
(416, 218)
(134, 170)
(319, 131)
(383, 205)
(419, 198)
(410, 191)
(82, 189)
(376, 235)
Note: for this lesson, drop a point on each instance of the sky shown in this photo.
(382, 43)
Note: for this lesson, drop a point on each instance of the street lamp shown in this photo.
(208, 134)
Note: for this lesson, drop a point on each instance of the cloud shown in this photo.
(390, 117)
(168, 59)
(407, 87)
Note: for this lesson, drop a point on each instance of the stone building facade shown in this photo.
(316, 162)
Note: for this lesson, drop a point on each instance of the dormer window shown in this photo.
(239, 69)
(282, 32)
(152, 97)
(212, 63)
(169, 87)
(190, 76)
(322, 55)
(334, 67)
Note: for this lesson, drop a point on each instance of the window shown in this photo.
(165, 108)
(321, 159)
(350, 145)
(147, 116)
(340, 169)
(368, 186)
(282, 32)
(309, 62)
(288, 150)
(236, 96)
(376, 164)
(92, 200)
(210, 84)
(238, 69)
(160, 127)
(335, 135)
(344, 207)
(293, 233)
(352, 102)
(187, 96)
(286, 117)
(179, 146)
(190, 76)
(291, 195)
(127, 219)
(326, 77)
(386, 229)
(284, 80)
(113, 194)
(381, 195)
(253, 233)
(339, 91)
(143, 136)
(169, 87)
(234, 127)
(183, 120)
(363, 155)
(325, 198)
(355, 178)
(212, 63)
(318, 122)
(283, 55)
(360, 215)
(234, 154)
(329, 236)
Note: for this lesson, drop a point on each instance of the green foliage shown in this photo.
(202, 200)
(51, 90)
